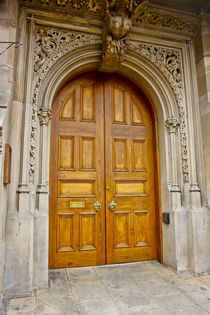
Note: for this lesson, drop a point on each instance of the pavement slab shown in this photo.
(122, 289)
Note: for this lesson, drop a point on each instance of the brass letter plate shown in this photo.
(77, 204)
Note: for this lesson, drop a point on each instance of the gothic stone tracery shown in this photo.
(169, 62)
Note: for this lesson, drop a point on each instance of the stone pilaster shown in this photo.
(172, 125)
(41, 219)
(178, 213)
(44, 118)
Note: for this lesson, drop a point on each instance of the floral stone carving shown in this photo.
(45, 116)
(99, 7)
(51, 44)
(169, 62)
(172, 124)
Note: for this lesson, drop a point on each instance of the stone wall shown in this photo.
(8, 21)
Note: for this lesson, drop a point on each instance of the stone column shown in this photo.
(172, 124)
(41, 219)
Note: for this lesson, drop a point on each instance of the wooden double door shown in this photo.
(103, 174)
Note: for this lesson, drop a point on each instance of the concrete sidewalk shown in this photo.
(136, 288)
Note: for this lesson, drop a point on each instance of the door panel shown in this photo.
(77, 229)
(129, 143)
(102, 152)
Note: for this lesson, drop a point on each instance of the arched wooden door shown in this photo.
(103, 174)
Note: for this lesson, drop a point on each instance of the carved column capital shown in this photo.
(45, 116)
(172, 124)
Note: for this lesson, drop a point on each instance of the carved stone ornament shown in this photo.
(150, 16)
(113, 53)
(45, 116)
(117, 23)
(181, 24)
(172, 124)
(51, 44)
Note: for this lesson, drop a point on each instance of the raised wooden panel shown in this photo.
(136, 116)
(76, 188)
(119, 108)
(129, 188)
(141, 228)
(138, 154)
(66, 152)
(68, 108)
(87, 153)
(88, 103)
(121, 229)
(87, 231)
(120, 155)
(65, 232)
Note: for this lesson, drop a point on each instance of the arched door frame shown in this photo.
(175, 193)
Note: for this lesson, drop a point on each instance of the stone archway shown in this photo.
(158, 71)
(155, 85)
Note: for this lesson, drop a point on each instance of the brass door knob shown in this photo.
(112, 205)
(97, 206)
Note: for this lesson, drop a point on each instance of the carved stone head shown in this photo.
(118, 26)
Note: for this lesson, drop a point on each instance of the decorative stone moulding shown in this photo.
(142, 13)
(151, 17)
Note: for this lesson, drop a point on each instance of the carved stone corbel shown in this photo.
(117, 23)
